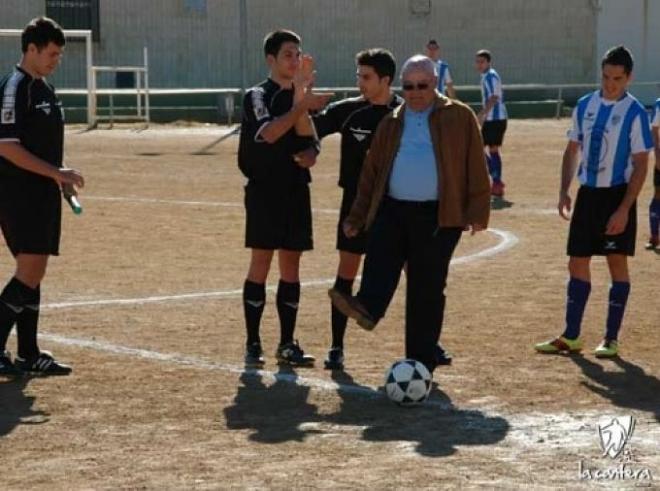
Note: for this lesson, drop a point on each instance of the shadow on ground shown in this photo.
(280, 412)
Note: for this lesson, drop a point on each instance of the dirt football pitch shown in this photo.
(145, 303)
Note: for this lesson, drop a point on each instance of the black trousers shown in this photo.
(407, 232)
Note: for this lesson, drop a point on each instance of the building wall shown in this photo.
(531, 40)
(640, 32)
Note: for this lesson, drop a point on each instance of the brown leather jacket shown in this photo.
(463, 183)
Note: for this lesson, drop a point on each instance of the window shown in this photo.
(420, 7)
(75, 14)
(198, 6)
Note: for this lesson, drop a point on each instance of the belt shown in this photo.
(419, 205)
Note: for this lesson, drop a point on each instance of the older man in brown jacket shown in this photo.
(424, 182)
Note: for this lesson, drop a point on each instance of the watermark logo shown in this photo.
(615, 435)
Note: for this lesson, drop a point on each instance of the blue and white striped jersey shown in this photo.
(444, 77)
(609, 133)
(656, 113)
(491, 84)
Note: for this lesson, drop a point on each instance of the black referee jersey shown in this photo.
(32, 115)
(270, 164)
(356, 119)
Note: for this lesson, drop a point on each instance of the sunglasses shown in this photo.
(408, 86)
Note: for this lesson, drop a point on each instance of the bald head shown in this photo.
(419, 63)
(418, 81)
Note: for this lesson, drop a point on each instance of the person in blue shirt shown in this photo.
(445, 82)
(654, 207)
(609, 146)
(424, 181)
(493, 118)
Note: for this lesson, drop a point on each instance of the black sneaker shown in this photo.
(254, 356)
(6, 366)
(442, 357)
(44, 364)
(335, 360)
(292, 354)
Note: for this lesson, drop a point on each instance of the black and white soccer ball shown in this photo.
(408, 382)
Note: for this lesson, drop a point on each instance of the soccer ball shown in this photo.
(407, 382)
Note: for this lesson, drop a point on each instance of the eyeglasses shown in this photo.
(408, 86)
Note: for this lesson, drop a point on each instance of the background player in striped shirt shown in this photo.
(445, 82)
(493, 118)
(31, 174)
(611, 131)
(356, 119)
(654, 207)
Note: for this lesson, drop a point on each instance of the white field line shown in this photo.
(194, 362)
(217, 204)
(233, 204)
(558, 432)
(507, 241)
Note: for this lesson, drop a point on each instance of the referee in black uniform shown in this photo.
(356, 120)
(276, 148)
(31, 177)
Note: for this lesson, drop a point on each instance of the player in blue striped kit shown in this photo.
(445, 82)
(493, 118)
(654, 207)
(612, 131)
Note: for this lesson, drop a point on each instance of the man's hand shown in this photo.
(303, 82)
(617, 222)
(69, 177)
(349, 230)
(481, 117)
(306, 158)
(316, 102)
(303, 79)
(564, 206)
(69, 190)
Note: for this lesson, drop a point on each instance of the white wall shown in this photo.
(544, 41)
(635, 24)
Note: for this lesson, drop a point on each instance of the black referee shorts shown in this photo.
(656, 177)
(357, 244)
(30, 215)
(277, 219)
(593, 209)
(493, 132)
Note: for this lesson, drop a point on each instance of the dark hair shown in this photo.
(618, 55)
(274, 40)
(484, 53)
(432, 42)
(41, 31)
(380, 59)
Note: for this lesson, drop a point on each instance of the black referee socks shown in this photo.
(12, 302)
(27, 323)
(337, 319)
(288, 296)
(254, 300)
